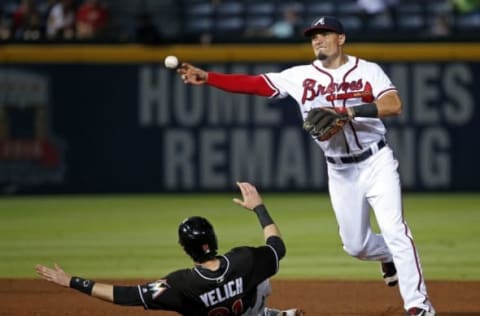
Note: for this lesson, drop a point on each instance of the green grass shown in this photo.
(134, 236)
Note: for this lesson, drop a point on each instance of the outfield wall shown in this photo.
(82, 118)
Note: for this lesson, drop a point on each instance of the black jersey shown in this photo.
(230, 290)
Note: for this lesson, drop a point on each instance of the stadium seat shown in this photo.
(350, 7)
(258, 21)
(468, 22)
(199, 25)
(199, 9)
(380, 23)
(352, 23)
(229, 25)
(410, 8)
(298, 7)
(317, 8)
(439, 7)
(411, 23)
(230, 8)
(263, 8)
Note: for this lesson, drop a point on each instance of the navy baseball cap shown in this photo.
(328, 23)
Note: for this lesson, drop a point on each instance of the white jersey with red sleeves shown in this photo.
(355, 82)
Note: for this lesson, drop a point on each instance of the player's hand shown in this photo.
(251, 198)
(55, 275)
(192, 75)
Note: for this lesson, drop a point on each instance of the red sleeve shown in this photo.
(240, 83)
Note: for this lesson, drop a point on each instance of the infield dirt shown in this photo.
(19, 297)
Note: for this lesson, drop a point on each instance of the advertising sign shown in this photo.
(139, 128)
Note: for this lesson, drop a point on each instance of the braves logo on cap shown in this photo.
(320, 21)
(328, 23)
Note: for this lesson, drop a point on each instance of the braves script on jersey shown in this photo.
(231, 290)
(355, 82)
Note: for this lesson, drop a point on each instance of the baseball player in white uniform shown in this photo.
(362, 171)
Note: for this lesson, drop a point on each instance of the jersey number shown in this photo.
(237, 309)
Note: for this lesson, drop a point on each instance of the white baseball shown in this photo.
(171, 62)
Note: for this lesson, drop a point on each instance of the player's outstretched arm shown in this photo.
(253, 201)
(250, 195)
(236, 83)
(120, 295)
(193, 75)
(55, 275)
(60, 277)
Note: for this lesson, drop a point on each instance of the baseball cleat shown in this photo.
(292, 312)
(415, 311)
(289, 312)
(389, 273)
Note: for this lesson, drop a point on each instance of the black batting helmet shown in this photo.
(198, 239)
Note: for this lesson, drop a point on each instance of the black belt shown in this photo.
(357, 158)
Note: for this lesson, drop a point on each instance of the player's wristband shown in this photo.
(82, 285)
(263, 215)
(365, 110)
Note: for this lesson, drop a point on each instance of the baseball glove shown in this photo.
(323, 123)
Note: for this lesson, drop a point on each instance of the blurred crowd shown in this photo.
(31, 20)
(206, 21)
(363, 19)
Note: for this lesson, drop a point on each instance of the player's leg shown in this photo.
(385, 198)
(352, 213)
(264, 290)
(276, 312)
